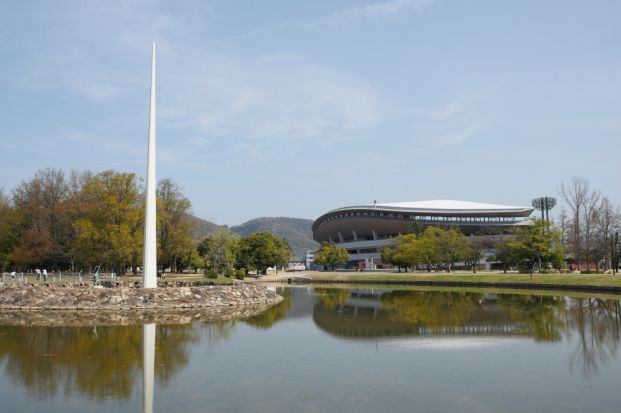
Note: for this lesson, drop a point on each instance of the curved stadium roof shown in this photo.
(360, 217)
(451, 205)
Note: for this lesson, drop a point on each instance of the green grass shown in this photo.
(219, 280)
(605, 280)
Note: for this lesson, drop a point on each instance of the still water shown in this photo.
(337, 349)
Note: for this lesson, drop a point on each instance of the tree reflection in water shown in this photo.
(101, 362)
(597, 322)
(105, 363)
(273, 314)
(376, 313)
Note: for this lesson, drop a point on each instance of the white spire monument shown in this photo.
(149, 270)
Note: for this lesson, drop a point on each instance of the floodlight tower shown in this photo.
(149, 270)
(544, 204)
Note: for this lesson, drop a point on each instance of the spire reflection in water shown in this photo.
(148, 366)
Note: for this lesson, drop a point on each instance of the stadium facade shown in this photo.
(364, 229)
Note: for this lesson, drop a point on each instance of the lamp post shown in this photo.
(544, 204)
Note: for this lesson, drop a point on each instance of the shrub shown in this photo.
(240, 274)
(230, 273)
(211, 274)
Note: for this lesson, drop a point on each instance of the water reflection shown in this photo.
(100, 362)
(103, 363)
(148, 366)
(596, 322)
(372, 314)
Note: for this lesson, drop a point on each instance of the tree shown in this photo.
(504, 254)
(389, 256)
(111, 231)
(608, 222)
(474, 246)
(9, 231)
(590, 212)
(575, 195)
(174, 229)
(219, 250)
(536, 245)
(262, 250)
(332, 255)
(41, 203)
(449, 245)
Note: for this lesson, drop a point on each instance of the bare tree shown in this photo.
(590, 216)
(608, 222)
(575, 195)
(563, 225)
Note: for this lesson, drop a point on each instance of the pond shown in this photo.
(322, 349)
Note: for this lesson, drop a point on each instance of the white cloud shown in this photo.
(81, 37)
(274, 102)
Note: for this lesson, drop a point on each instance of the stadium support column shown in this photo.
(149, 270)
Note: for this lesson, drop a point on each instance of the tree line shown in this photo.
(81, 219)
(529, 247)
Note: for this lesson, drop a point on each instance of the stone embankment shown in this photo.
(90, 318)
(40, 297)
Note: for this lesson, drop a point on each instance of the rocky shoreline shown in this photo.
(33, 297)
(91, 318)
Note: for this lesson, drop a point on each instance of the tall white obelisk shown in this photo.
(149, 271)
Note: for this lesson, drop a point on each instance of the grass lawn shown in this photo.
(605, 280)
(219, 280)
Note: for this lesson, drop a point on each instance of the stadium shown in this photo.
(364, 229)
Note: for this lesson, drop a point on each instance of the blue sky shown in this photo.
(292, 108)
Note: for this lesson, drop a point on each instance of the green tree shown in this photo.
(219, 250)
(450, 245)
(389, 256)
(174, 229)
(262, 250)
(330, 254)
(406, 250)
(111, 231)
(504, 254)
(427, 249)
(537, 246)
(474, 247)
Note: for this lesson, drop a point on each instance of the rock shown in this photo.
(40, 297)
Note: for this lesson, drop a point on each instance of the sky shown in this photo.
(294, 108)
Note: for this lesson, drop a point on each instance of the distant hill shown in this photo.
(201, 228)
(296, 231)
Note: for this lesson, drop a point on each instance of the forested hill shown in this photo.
(296, 231)
(201, 228)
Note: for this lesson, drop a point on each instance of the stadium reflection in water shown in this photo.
(130, 366)
(440, 319)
